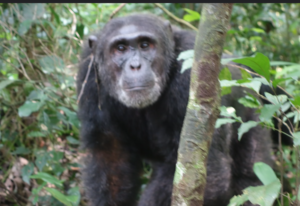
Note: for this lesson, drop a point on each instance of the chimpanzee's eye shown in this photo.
(144, 45)
(121, 47)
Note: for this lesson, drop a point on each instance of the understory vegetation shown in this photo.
(40, 46)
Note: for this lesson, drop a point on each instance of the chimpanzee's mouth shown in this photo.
(130, 89)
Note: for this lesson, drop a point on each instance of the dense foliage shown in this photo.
(40, 46)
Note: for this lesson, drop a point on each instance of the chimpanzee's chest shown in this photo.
(153, 132)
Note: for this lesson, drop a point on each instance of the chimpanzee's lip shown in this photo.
(136, 88)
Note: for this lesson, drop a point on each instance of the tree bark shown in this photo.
(202, 109)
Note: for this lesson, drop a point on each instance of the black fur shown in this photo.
(118, 138)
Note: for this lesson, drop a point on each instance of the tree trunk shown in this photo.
(202, 110)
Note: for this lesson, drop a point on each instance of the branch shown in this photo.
(116, 10)
(86, 77)
(175, 18)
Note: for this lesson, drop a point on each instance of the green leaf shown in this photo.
(36, 134)
(32, 11)
(243, 81)
(297, 117)
(294, 114)
(264, 195)
(287, 71)
(260, 64)
(24, 27)
(256, 38)
(267, 112)
(79, 29)
(57, 168)
(5, 94)
(265, 173)
(284, 107)
(276, 99)
(74, 191)
(47, 178)
(26, 171)
(51, 63)
(28, 107)
(225, 90)
(294, 75)
(249, 101)
(188, 54)
(258, 30)
(21, 151)
(55, 15)
(238, 200)
(222, 121)
(229, 112)
(41, 160)
(191, 16)
(262, 80)
(72, 140)
(228, 83)
(296, 101)
(245, 127)
(7, 82)
(280, 63)
(225, 74)
(231, 31)
(253, 84)
(45, 120)
(192, 12)
(296, 136)
(37, 95)
(57, 156)
(277, 81)
(72, 116)
(245, 74)
(188, 57)
(225, 60)
(187, 64)
(35, 194)
(67, 200)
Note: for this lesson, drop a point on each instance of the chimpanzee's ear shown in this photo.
(168, 26)
(92, 41)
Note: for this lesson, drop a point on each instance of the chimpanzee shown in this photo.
(132, 109)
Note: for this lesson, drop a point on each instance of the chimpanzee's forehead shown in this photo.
(133, 24)
(132, 28)
(127, 29)
(132, 31)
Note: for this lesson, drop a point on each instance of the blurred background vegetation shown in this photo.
(40, 45)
